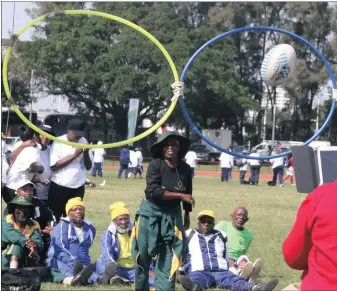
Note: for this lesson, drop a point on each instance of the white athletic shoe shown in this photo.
(246, 271)
(102, 184)
(257, 267)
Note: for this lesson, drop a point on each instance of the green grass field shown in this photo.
(272, 211)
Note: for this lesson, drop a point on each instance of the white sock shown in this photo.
(14, 265)
(67, 281)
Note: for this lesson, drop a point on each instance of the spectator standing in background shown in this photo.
(226, 163)
(124, 158)
(98, 161)
(140, 168)
(255, 166)
(133, 162)
(191, 159)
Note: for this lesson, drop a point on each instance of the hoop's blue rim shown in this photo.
(255, 28)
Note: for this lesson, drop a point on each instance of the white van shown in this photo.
(266, 148)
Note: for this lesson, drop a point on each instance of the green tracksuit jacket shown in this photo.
(13, 241)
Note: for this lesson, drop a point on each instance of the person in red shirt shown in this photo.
(311, 245)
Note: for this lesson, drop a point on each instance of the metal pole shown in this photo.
(10, 81)
(330, 98)
(274, 117)
(265, 123)
(31, 95)
(59, 105)
(317, 113)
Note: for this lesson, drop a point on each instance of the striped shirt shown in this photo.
(206, 253)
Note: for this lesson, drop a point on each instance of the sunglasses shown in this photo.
(206, 220)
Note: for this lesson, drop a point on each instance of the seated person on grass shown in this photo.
(115, 265)
(239, 240)
(21, 240)
(41, 212)
(71, 240)
(206, 264)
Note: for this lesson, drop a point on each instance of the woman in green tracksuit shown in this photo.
(158, 230)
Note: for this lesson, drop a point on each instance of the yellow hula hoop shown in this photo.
(105, 15)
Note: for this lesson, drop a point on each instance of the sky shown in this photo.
(20, 20)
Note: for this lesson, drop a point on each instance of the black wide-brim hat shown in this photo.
(157, 148)
(22, 201)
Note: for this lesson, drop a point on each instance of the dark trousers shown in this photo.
(139, 171)
(123, 167)
(278, 172)
(97, 168)
(242, 177)
(225, 172)
(220, 279)
(254, 174)
(193, 172)
(59, 196)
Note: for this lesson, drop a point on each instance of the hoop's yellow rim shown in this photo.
(108, 16)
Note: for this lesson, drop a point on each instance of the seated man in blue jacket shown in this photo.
(206, 263)
(115, 265)
(71, 240)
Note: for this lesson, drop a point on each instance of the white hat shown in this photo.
(22, 183)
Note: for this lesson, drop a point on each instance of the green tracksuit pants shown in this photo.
(12, 250)
(157, 233)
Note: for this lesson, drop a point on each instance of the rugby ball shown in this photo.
(278, 65)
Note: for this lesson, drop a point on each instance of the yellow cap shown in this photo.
(77, 201)
(118, 209)
(206, 213)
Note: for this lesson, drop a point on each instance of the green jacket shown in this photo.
(11, 234)
(162, 223)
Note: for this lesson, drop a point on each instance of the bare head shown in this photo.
(239, 217)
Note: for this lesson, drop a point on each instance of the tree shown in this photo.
(18, 82)
(99, 64)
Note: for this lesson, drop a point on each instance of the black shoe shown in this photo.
(188, 284)
(81, 279)
(78, 267)
(268, 286)
(109, 272)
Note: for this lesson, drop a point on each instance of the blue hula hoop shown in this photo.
(255, 28)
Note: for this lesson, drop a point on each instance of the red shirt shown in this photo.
(291, 162)
(311, 245)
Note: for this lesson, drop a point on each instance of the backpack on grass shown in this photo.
(20, 280)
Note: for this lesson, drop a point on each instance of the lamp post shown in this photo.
(330, 98)
(317, 113)
(31, 94)
(11, 79)
(274, 116)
